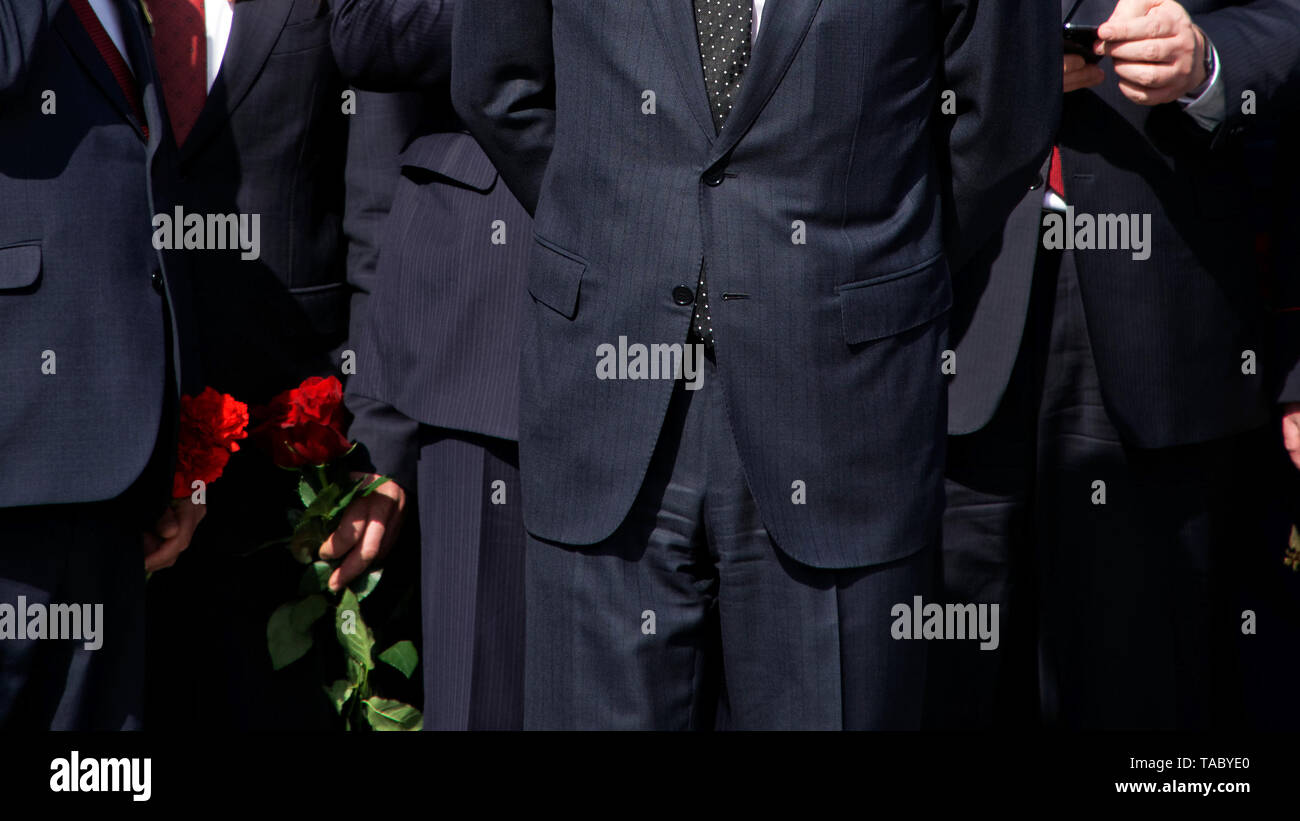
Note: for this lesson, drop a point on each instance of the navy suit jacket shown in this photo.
(79, 276)
(272, 140)
(438, 339)
(1168, 333)
(829, 349)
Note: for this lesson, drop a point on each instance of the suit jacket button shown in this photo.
(683, 295)
(1037, 183)
(713, 177)
(157, 280)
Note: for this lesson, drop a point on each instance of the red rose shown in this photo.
(305, 426)
(210, 424)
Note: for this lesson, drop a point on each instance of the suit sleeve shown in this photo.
(378, 131)
(1002, 60)
(387, 441)
(23, 24)
(393, 45)
(503, 87)
(1284, 263)
(1259, 52)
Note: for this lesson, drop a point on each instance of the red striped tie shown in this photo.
(117, 65)
(180, 46)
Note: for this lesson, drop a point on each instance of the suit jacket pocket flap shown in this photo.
(20, 265)
(325, 307)
(554, 277)
(452, 155)
(886, 305)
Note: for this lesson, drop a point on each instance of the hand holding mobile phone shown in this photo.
(1080, 40)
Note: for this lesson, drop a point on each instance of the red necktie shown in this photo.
(116, 64)
(1055, 177)
(180, 46)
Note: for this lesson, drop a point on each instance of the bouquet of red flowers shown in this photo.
(303, 429)
(211, 425)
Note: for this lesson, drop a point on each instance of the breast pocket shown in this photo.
(890, 304)
(296, 37)
(20, 267)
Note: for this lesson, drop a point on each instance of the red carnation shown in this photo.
(305, 426)
(210, 425)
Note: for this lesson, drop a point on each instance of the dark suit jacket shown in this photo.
(226, 678)
(272, 140)
(1169, 332)
(79, 276)
(827, 351)
(438, 342)
(1284, 253)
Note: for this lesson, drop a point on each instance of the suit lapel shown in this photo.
(676, 22)
(140, 53)
(83, 49)
(253, 31)
(782, 30)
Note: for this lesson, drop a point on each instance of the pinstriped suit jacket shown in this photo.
(438, 339)
(828, 349)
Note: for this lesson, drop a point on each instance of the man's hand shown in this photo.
(1291, 431)
(1159, 52)
(366, 532)
(172, 534)
(1078, 74)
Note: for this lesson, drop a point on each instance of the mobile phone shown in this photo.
(1080, 39)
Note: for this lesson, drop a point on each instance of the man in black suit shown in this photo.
(1115, 372)
(264, 128)
(436, 394)
(93, 334)
(770, 197)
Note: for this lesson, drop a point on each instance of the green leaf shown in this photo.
(307, 539)
(357, 676)
(365, 584)
(324, 502)
(339, 692)
(385, 714)
(306, 492)
(315, 579)
(288, 632)
(358, 489)
(401, 656)
(353, 633)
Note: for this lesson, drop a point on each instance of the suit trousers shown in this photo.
(84, 555)
(1113, 566)
(689, 607)
(472, 581)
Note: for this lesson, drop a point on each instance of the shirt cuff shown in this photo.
(1208, 104)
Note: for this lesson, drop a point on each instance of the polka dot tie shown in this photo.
(723, 28)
